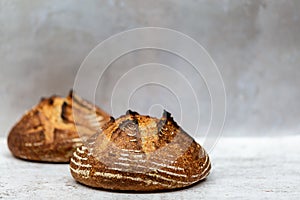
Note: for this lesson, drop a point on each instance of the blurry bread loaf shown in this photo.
(48, 132)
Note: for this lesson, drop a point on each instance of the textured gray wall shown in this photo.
(256, 45)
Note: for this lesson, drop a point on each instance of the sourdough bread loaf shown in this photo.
(48, 131)
(140, 153)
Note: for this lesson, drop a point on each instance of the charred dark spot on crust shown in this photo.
(174, 123)
(130, 112)
(135, 121)
(108, 123)
(37, 112)
(51, 101)
(168, 140)
(168, 119)
(71, 93)
(167, 128)
(167, 115)
(112, 119)
(63, 110)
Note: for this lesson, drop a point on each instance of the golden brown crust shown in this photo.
(140, 153)
(48, 133)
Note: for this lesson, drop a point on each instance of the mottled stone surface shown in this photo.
(255, 44)
(243, 168)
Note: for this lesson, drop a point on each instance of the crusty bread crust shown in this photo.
(48, 132)
(140, 153)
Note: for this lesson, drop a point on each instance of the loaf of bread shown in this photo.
(48, 132)
(140, 153)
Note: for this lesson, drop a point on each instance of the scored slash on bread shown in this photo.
(140, 153)
(131, 153)
(49, 131)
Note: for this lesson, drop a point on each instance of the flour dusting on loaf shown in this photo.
(140, 153)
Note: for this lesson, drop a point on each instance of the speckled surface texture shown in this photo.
(140, 153)
(256, 45)
(243, 168)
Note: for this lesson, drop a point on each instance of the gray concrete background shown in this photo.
(256, 45)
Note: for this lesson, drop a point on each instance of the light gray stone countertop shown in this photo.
(243, 168)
